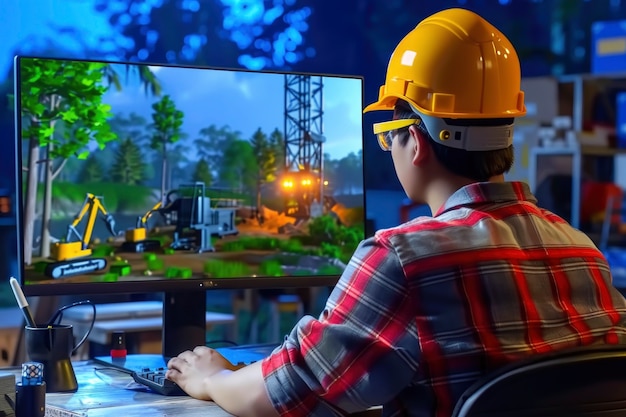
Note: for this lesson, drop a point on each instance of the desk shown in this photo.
(105, 392)
(102, 330)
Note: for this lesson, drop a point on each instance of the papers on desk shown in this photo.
(53, 411)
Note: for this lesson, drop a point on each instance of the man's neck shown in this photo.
(442, 188)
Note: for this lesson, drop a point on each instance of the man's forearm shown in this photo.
(242, 392)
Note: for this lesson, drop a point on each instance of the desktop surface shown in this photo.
(106, 392)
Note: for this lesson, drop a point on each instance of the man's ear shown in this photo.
(421, 147)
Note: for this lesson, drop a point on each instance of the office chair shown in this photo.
(588, 381)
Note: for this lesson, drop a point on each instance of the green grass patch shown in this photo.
(328, 240)
(40, 266)
(262, 243)
(102, 251)
(271, 268)
(120, 268)
(185, 273)
(156, 264)
(149, 256)
(108, 277)
(178, 272)
(223, 269)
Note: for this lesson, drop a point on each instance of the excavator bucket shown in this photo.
(110, 221)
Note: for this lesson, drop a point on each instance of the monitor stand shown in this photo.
(184, 327)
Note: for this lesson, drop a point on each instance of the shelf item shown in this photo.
(575, 153)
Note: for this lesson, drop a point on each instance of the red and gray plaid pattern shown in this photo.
(424, 309)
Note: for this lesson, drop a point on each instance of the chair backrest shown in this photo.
(589, 381)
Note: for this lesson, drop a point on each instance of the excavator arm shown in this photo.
(142, 220)
(73, 256)
(91, 207)
(136, 239)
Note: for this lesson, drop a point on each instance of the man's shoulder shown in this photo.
(416, 225)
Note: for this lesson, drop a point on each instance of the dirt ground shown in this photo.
(183, 258)
(274, 224)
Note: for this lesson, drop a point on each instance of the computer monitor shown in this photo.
(142, 178)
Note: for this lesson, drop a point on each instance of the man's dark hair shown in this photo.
(476, 165)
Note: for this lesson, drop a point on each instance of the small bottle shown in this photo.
(118, 345)
(30, 393)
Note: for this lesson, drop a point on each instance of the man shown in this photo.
(426, 308)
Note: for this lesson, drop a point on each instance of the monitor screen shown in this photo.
(143, 178)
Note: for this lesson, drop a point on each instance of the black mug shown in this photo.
(53, 346)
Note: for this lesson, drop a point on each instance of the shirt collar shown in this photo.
(488, 192)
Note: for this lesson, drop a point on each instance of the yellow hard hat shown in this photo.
(454, 64)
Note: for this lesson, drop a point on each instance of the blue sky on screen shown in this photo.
(246, 101)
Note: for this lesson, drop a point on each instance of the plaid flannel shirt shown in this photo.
(426, 308)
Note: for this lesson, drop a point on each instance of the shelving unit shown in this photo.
(586, 98)
(576, 153)
(575, 91)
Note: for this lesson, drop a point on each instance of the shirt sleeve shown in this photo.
(361, 351)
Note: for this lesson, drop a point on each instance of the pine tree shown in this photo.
(202, 173)
(128, 166)
(92, 171)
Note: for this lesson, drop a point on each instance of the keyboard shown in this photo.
(156, 381)
(149, 370)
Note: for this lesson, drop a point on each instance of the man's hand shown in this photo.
(191, 369)
(206, 375)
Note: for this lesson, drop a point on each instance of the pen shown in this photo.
(21, 301)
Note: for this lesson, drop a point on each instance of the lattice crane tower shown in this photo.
(304, 139)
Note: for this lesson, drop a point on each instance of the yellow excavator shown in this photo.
(136, 239)
(73, 256)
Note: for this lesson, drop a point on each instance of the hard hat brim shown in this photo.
(385, 103)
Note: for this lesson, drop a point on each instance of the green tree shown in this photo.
(178, 167)
(178, 164)
(202, 173)
(270, 155)
(136, 128)
(266, 162)
(348, 173)
(133, 126)
(92, 170)
(239, 166)
(277, 143)
(128, 166)
(58, 92)
(213, 142)
(147, 78)
(167, 122)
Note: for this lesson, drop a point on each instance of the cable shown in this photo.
(58, 317)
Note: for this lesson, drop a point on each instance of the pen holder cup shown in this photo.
(53, 346)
